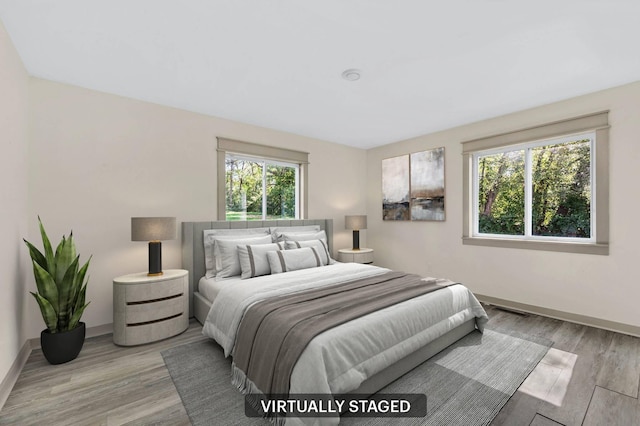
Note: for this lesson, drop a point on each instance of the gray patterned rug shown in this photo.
(466, 384)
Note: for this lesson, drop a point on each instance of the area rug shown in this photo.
(466, 384)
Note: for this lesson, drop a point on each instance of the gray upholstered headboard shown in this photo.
(193, 242)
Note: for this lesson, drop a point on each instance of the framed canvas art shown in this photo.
(395, 188)
(427, 185)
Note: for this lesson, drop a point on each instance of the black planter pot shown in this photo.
(62, 347)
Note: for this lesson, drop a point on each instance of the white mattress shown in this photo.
(210, 287)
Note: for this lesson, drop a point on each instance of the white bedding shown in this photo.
(210, 287)
(232, 300)
(340, 359)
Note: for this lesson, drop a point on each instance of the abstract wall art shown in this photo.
(427, 185)
(413, 186)
(395, 188)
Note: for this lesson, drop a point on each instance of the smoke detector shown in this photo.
(351, 74)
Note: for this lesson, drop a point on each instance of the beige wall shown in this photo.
(604, 287)
(14, 85)
(96, 160)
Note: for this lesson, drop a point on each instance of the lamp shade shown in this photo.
(153, 228)
(356, 222)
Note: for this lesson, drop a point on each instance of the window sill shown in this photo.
(568, 247)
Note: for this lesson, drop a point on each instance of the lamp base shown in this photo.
(356, 240)
(155, 258)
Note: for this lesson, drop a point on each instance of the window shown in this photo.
(258, 182)
(538, 190)
(260, 189)
(541, 188)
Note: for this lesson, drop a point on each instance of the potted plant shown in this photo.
(61, 296)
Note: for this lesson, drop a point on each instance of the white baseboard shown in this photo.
(14, 372)
(99, 330)
(618, 327)
(90, 332)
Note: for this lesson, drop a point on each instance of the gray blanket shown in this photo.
(273, 333)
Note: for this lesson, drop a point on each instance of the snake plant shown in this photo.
(60, 282)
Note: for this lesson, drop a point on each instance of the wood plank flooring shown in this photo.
(589, 377)
(105, 385)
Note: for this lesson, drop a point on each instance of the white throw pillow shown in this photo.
(276, 232)
(293, 260)
(226, 254)
(319, 245)
(210, 235)
(305, 236)
(253, 259)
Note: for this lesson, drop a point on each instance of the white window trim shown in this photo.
(593, 123)
(262, 152)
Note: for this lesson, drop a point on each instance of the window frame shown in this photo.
(270, 154)
(595, 124)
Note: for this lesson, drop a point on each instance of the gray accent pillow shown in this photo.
(226, 254)
(293, 260)
(319, 245)
(253, 259)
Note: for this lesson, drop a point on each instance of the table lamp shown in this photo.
(356, 222)
(153, 230)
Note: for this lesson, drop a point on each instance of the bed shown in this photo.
(355, 357)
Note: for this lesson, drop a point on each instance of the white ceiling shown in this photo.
(426, 65)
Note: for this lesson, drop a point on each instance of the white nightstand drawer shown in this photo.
(146, 333)
(156, 290)
(151, 311)
(364, 255)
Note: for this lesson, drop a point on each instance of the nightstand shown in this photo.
(147, 309)
(364, 255)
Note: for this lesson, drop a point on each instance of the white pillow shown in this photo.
(306, 236)
(253, 259)
(319, 245)
(225, 252)
(211, 234)
(276, 232)
(292, 260)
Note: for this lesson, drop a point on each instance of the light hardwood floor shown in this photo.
(589, 377)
